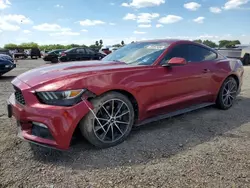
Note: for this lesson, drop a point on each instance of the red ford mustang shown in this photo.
(139, 83)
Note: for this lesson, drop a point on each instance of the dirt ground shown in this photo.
(205, 148)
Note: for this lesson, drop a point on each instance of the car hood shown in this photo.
(68, 72)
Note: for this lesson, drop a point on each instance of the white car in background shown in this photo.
(241, 52)
(245, 55)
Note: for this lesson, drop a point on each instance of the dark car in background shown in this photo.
(5, 52)
(53, 55)
(79, 54)
(35, 53)
(44, 52)
(6, 64)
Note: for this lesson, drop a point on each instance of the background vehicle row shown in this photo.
(78, 54)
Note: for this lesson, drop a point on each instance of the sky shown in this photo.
(85, 21)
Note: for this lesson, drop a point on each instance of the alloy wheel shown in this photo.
(229, 92)
(112, 120)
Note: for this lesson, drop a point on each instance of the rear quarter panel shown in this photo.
(225, 68)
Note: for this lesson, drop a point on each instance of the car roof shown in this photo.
(57, 50)
(178, 41)
(4, 50)
(174, 41)
(170, 41)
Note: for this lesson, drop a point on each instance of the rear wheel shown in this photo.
(54, 60)
(63, 60)
(227, 94)
(110, 122)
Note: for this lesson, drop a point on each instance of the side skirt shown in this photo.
(172, 114)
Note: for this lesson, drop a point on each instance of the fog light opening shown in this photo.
(40, 124)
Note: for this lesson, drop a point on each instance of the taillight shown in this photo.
(63, 54)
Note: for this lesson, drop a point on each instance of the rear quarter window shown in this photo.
(90, 51)
(71, 51)
(199, 53)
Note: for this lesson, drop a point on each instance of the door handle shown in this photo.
(206, 70)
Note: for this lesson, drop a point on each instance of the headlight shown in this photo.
(61, 98)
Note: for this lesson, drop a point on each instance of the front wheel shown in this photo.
(227, 94)
(110, 122)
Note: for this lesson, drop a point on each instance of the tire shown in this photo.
(224, 101)
(63, 60)
(54, 60)
(246, 59)
(89, 125)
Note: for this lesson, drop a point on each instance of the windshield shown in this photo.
(55, 51)
(144, 53)
(69, 50)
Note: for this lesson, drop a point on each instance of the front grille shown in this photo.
(19, 96)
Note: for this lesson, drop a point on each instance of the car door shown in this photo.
(87, 55)
(80, 54)
(71, 54)
(203, 59)
(91, 54)
(84, 55)
(179, 87)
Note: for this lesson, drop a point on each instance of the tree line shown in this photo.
(99, 44)
(222, 43)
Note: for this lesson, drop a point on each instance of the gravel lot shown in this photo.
(205, 148)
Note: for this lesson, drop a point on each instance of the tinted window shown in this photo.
(54, 52)
(177, 51)
(90, 51)
(2, 52)
(192, 53)
(80, 50)
(71, 51)
(197, 54)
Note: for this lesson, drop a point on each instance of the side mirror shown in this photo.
(176, 61)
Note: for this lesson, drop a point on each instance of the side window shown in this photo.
(71, 51)
(198, 54)
(177, 51)
(89, 51)
(80, 51)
